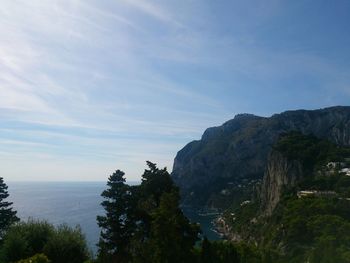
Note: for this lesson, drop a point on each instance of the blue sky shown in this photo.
(87, 87)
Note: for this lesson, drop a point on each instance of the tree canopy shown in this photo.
(7, 214)
(59, 244)
(144, 223)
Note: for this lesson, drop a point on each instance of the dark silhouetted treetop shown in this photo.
(144, 223)
(155, 182)
(7, 214)
(117, 224)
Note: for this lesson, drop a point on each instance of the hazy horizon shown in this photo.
(9, 182)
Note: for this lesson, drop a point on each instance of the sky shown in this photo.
(91, 86)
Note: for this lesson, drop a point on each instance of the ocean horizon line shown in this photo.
(65, 182)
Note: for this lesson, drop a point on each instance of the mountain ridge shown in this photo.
(233, 154)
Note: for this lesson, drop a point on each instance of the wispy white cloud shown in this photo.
(153, 10)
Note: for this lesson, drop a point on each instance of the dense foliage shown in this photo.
(117, 225)
(310, 150)
(59, 244)
(38, 258)
(235, 252)
(7, 214)
(66, 245)
(314, 228)
(144, 223)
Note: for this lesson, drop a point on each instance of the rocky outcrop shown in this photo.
(237, 152)
(280, 175)
(225, 231)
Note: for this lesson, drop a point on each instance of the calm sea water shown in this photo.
(74, 203)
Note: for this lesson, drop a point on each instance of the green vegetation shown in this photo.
(227, 252)
(312, 223)
(59, 244)
(117, 225)
(66, 245)
(314, 228)
(38, 258)
(310, 150)
(144, 223)
(7, 214)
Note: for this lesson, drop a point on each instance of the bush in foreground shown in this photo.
(38, 258)
(67, 245)
(59, 244)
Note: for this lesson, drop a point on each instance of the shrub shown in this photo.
(61, 245)
(67, 245)
(38, 258)
(15, 246)
(26, 239)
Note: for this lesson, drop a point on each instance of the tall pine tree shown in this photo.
(7, 214)
(117, 224)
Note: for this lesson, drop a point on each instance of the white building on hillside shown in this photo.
(346, 171)
(305, 193)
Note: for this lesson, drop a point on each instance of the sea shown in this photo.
(78, 204)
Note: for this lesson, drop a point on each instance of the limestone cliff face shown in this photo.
(280, 174)
(237, 151)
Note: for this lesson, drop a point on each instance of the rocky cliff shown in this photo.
(234, 156)
(280, 174)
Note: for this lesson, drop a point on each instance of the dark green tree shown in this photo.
(7, 214)
(163, 234)
(155, 182)
(219, 252)
(118, 223)
(172, 237)
(206, 255)
(144, 223)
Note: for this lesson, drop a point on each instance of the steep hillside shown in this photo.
(302, 212)
(225, 165)
(280, 173)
